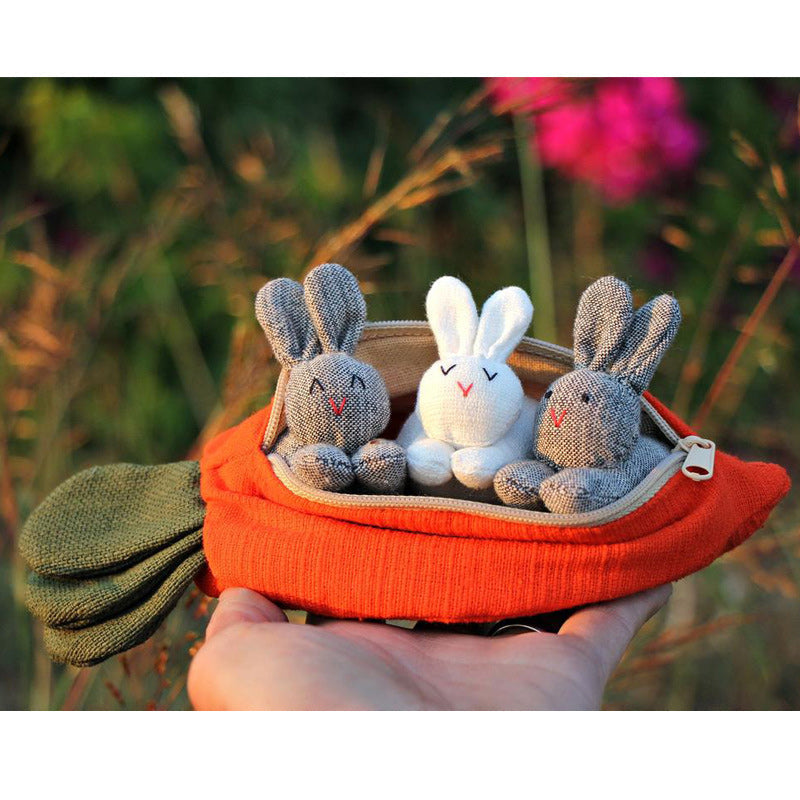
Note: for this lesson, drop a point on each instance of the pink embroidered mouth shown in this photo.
(557, 420)
(464, 391)
(337, 409)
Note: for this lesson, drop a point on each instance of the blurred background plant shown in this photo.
(139, 217)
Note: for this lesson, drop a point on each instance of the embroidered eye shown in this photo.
(316, 382)
(445, 371)
(490, 377)
(548, 394)
(586, 397)
(360, 380)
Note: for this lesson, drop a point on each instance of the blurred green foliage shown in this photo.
(138, 217)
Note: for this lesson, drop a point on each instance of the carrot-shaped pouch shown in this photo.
(112, 549)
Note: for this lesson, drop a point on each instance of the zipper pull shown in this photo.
(699, 462)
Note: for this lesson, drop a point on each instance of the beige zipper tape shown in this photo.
(637, 497)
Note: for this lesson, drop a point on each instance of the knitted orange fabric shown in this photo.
(446, 566)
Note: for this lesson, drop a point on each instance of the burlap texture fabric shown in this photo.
(518, 484)
(320, 465)
(332, 399)
(579, 489)
(588, 423)
(336, 400)
(380, 463)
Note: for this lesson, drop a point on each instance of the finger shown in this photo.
(610, 627)
(242, 605)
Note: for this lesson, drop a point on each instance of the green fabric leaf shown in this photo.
(88, 646)
(104, 519)
(78, 603)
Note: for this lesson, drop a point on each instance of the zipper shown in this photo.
(637, 497)
(699, 461)
(692, 455)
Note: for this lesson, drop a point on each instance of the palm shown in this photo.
(264, 662)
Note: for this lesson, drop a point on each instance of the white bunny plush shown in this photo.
(472, 416)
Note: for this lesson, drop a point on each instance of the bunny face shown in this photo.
(591, 417)
(470, 397)
(331, 397)
(587, 419)
(335, 399)
(473, 400)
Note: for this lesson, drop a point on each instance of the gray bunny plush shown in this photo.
(588, 447)
(335, 405)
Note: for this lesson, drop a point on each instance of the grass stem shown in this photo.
(693, 365)
(753, 321)
(540, 270)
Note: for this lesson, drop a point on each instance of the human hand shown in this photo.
(254, 659)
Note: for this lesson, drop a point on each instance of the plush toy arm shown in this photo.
(380, 466)
(323, 466)
(429, 462)
(580, 489)
(287, 445)
(428, 459)
(517, 484)
(475, 467)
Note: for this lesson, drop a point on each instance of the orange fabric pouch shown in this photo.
(452, 560)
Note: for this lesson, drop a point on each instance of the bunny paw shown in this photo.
(323, 466)
(578, 490)
(475, 467)
(380, 465)
(518, 484)
(429, 462)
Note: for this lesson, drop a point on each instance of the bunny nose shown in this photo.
(464, 391)
(557, 420)
(337, 409)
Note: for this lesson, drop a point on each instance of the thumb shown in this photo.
(237, 606)
(610, 627)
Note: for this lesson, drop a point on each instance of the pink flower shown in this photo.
(624, 136)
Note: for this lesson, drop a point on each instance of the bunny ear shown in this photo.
(652, 331)
(281, 311)
(452, 315)
(336, 306)
(604, 313)
(505, 317)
